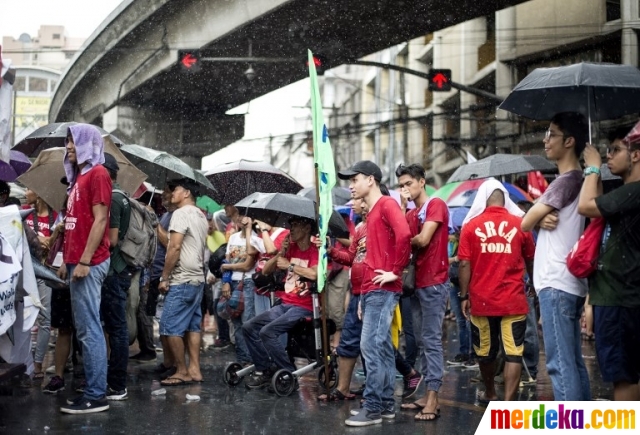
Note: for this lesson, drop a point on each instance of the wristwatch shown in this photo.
(591, 170)
(290, 268)
(463, 298)
(264, 230)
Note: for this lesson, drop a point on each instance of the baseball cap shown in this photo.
(185, 183)
(110, 163)
(364, 167)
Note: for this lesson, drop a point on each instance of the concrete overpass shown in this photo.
(127, 77)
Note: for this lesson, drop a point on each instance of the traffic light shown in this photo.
(189, 60)
(319, 61)
(440, 80)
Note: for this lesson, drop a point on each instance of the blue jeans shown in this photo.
(262, 335)
(429, 306)
(182, 310)
(113, 311)
(410, 345)
(464, 330)
(261, 303)
(85, 302)
(531, 344)
(377, 349)
(560, 313)
(349, 346)
(44, 322)
(249, 291)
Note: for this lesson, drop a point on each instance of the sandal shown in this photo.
(420, 416)
(335, 395)
(38, 376)
(415, 406)
(174, 382)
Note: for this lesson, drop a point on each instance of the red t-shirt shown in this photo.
(496, 249)
(432, 265)
(90, 189)
(295, 291)
(43, 229)
(353, 256)
(388, 244)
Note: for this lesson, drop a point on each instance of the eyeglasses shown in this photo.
(614, 150)
(549, 134)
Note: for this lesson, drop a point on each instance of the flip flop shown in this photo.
(38, 375)
(168, 373)
(174, 382)
(419, 416)
(413, 406)
(335, 396)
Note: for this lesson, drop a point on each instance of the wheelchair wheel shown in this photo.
(333, 377)
(230, 377)
(283, 383)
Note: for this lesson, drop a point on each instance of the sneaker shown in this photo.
(411, 385)
(525, 380)
(144, 357)
(80, 388)
(364, 418)
(55, 385)
(76, 400)
(86, 406)
(116, 395)
(220, 344)
(458, 360)
(471, 364)
(387, 414)
(258, 380)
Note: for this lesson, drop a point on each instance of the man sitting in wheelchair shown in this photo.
(299, 259)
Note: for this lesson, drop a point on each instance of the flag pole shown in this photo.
(323, 316)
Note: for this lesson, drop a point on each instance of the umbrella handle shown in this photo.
(589, 112)
(153, 192)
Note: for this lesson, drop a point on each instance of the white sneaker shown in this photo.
(116, 395)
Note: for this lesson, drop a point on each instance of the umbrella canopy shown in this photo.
(18, 165)
(236, 180)
(45, 174)
(52, 136)
(444, 193)
(430, 189)
(498, 165)
(277, 208)
(339, 195)
(465, 199)
(457, 216)
(597, 90)
(161, 167)
(207, 204)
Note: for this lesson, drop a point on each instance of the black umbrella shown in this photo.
(276, 209)
(236, 180)
(597, 90)
(52, 136)
(498, 165)
(339, 195)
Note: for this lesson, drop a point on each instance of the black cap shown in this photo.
(364, 167)
(110, 163)
(187, 184)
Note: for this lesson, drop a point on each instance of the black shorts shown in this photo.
(61, 313)
(617, 331)
(490, 333)
(207, 300)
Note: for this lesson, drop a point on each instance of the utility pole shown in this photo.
(404, 115)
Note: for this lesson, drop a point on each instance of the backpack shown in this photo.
(138, 246)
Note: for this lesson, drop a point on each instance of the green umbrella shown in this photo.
(161, 166)
(445, 191)
(208, 204)
(430, 189)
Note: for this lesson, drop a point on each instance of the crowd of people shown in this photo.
(505, 260)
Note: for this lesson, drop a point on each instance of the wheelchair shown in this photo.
(304, 340)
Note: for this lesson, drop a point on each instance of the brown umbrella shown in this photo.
(47, 171)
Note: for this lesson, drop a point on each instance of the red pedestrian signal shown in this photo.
(440, 80)
(320, 63)
(189, 60)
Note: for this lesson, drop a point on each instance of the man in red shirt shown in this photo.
(429, 224)
(388, 239)
(86, 257)
(299, 258)
(493, 252)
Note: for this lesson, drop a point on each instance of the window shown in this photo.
(613, 10)
(20, 84)
(56, 36)
(37, 84)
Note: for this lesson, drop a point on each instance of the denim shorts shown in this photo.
(617, 331)
(349, 346)
(182, 312)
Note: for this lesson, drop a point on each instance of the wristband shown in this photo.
(591, 170)
(84, 264)
(463, 298)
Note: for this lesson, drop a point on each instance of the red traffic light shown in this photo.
(440, 80)
(189, 60)
(319, 62)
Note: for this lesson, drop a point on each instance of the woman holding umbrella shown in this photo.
(41, 221)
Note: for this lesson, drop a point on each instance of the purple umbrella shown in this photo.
(18, 165)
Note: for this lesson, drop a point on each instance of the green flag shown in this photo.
(323, 158)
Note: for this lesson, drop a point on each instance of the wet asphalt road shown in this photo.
(24, 409)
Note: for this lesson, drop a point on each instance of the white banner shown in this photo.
(546, 417)
(6, 103)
